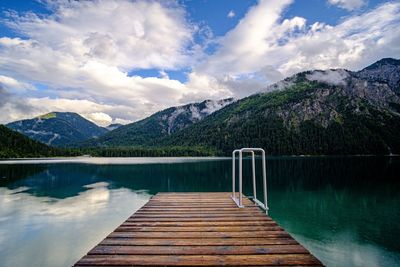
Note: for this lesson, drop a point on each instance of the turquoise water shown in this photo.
(346, 210)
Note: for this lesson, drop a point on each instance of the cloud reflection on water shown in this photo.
(31, 226)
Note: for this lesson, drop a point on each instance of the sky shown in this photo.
(119, 61)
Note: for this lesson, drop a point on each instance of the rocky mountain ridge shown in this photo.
(161, 124)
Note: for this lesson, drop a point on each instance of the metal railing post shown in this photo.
(240, 178)
(253, 164)
(264, 167)
(233, 175)
(239, 200)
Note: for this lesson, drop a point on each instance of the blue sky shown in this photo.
(121, 60)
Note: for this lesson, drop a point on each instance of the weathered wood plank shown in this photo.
(203, 213)
(206, 219)
(197, 200)
(198, 210)
(183, 204)
(198, 250)
(197, 215)
(197, 241)
(198, 207)
(196, 229)
(199, 260)
(181, 235)
(199, 224)
(198, 195)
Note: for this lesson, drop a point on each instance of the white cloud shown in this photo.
(84, 50)
(101, 118)
(13, 85)
(128, 34)
(336, 77)
(241, 48)
(348, 4)
(231, 14)
(83, 53)
(121, 121)
(265, 47)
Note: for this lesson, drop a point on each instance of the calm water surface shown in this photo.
(345, 210)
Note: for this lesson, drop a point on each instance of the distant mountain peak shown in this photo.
(58, 128)
(59, 115)
(382, 62)
(386, 70)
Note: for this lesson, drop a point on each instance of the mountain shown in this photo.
(385, 70)
(113, 126)
(314, 112)
(161, 124)
(58, 128)
(16, 145)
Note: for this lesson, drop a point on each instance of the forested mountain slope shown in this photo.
(314, 112)
(16, 145)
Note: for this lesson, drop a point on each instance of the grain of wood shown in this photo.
(198, 229)
(198, 250)
(198, 260)
(194, 228)
(129, 222)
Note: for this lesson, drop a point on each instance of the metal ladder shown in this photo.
(239, 200)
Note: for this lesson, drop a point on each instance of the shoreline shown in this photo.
(159, 160)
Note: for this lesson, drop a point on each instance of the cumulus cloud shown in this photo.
(265, 42)
(128, 34)
(84, 50)
(348, 4)
(82, 55)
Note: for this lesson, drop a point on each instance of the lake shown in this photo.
(345, 210)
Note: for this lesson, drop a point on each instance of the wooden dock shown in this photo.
(198, 229)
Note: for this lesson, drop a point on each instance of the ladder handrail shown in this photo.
(239, 201)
